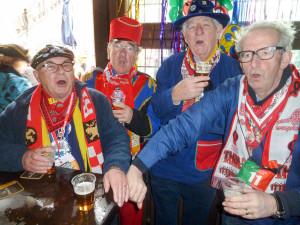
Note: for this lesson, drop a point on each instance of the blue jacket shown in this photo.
(185, 129)
(181, 167)
(113, 136)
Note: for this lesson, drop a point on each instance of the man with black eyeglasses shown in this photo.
(259, 114)
(78, 122)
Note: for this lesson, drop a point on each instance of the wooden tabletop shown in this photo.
(51, 200)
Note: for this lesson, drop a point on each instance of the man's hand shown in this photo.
(117, 180)
(189, 88)
(137, 187)
(123, 115)
(34, 161)
(251, 205)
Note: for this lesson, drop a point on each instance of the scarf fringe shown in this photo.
(216, 182)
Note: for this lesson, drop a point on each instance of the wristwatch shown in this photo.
(280, 208)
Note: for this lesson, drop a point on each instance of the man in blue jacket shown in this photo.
(77, 121)
(259, 115)
(178, 89)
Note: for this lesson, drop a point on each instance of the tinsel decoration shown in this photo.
(162, 27)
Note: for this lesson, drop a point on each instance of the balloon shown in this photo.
(222, 9)
(227, 42)
(186, 7)
(173, 14)
(174, 3)
(226, 3)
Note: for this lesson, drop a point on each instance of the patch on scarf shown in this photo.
(91, 130)
(31, 136)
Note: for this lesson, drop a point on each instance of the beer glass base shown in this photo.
(51, 171)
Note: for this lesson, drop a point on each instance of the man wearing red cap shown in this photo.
(135, 113)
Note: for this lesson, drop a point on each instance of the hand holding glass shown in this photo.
(117, 98)
(202, 69)
(232, 186)
(51, 158)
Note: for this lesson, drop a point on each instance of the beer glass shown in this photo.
(117, 96)
(232, 186)
(202, 69)
(51, 158)
(84, 188)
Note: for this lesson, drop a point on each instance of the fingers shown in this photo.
(189, 88)
(137, 187)
(124, 114)
(116, 179)
(139, 205)
(137, 193)
(35, 162)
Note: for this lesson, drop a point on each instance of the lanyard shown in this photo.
(65, 123)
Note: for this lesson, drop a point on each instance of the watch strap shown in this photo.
(280, 207)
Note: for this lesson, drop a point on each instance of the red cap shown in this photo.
(126, 28)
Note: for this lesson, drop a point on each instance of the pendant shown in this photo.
(64, 146)
(250, 136)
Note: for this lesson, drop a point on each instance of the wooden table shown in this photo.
(51, 200)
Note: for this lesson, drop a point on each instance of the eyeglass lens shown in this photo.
(53, 67)
(263, 54)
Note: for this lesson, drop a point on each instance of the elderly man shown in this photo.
(136, 111)
(259, 114)
(176, 176)
(62, 112)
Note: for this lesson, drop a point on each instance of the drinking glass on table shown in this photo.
(202, 69)
(84, 188)
(51, 158)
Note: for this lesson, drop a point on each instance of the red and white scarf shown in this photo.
(188, 70)
(109, 81)
(37, 131)
(277, 120)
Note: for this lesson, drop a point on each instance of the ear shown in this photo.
(36, 75)
(286, 59)
(220, 31)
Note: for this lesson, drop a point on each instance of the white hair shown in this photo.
(286, 32)
(184, 25)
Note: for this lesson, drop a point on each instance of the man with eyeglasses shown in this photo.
(259, 114)
(136, 112)
(63, 113)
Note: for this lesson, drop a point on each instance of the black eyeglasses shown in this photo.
(53, 67)
(262, 53)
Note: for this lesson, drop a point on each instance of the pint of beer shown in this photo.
(84, 188)
(202, 69)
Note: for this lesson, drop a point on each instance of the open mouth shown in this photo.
(61, 82)
(199, 42)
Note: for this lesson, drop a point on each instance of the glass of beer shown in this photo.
(202, 69)
(51, 157)
(117, 96)
(84, 188)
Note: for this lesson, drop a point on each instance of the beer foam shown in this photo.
(84, 188)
